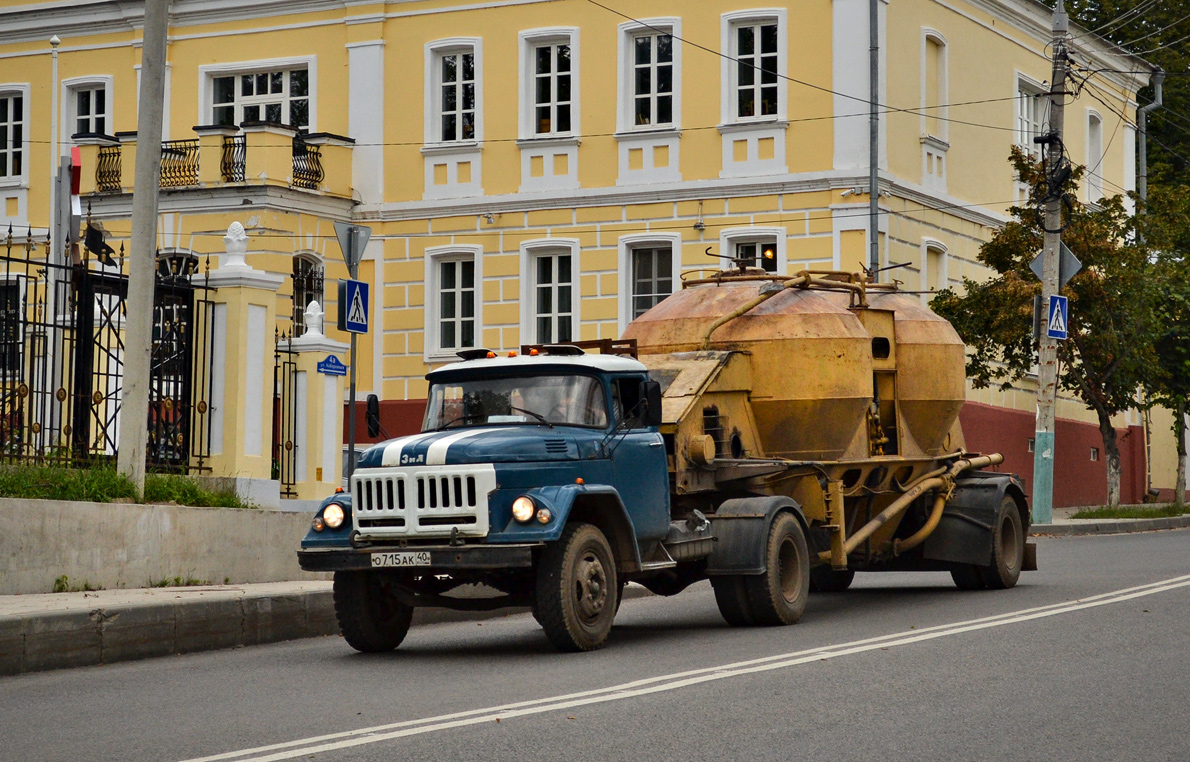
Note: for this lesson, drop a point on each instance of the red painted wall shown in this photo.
(1078, 480)
(398, 417)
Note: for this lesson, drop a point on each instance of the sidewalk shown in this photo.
(60, 630)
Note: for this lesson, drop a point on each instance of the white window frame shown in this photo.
(434, 352)
(70, 87)
(530, 250)
(1032, 121)
(319, 266)
(730, 238)
(528, 41)
(434, 52)
(627, 245)
(626, 89)
(1095, 156)
(207, 75)
(943, 94)
(21, 179)
(729, 22)
(943, 275)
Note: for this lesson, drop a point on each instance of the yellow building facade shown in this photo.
(544, 170)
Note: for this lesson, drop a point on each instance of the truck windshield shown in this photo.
(568, 400)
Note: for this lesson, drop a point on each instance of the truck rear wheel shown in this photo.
(779, 595)
(370, 618)
(1008, 548)
(824, 579)
(577, 589)
(731, 595)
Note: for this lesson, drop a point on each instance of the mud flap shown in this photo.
(741, 529)
(967, 529)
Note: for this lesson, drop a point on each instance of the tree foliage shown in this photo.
(1110, 353)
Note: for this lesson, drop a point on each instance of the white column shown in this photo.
(365, 118)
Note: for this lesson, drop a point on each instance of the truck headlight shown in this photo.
(333, 515)
(523, 509)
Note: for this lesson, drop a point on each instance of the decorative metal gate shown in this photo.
(62, 360)
(285, 442)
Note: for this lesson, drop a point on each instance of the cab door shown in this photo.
(639, 463)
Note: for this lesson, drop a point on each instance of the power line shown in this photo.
(1123, 19)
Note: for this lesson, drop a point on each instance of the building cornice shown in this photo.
(693, 190)
(227, 199)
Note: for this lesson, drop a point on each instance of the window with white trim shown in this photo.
(89, 104)
(760, 252)
(12, 135)
(652, 78)
(455, 84)
(280, 96)
(934, 269)
(1094, 157)
(754, 86)
(1031, 103)
(934, 86)
(652, 276)
(454, 288)
(551, 88)
(552, 295)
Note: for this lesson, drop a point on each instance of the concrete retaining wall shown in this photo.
(114, 545)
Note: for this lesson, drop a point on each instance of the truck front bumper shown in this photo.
(442, 557)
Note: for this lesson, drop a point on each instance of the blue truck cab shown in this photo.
(537, 475)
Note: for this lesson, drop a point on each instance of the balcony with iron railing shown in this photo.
(258, 153)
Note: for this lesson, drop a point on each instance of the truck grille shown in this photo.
(424, 501)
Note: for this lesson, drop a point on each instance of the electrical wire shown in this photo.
(1123, 19)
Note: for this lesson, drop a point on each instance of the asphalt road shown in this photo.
(1087, 659)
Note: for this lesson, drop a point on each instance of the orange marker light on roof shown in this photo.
(338, 490)
(512, 353)
(533, 352)
(579, 481)
(491, 355)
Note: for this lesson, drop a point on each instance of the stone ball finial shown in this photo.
(236, 245)
(314, 316)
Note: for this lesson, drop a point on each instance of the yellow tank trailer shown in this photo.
(844, 397)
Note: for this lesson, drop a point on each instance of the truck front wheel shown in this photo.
(779, 595)
(577, 589)
(370, 618)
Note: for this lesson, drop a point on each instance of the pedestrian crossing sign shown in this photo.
(353, 306)
(1059, 317)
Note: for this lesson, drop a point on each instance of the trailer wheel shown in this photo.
(1008, 548)
(577, 589)
(779, 595)
(731, 595)
(967, 577)
(370, 618)
(824, 579)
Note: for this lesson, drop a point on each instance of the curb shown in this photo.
(37, 642)
(1077, 527)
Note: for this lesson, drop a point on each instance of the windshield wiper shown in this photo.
(460, 419)
(538, 416)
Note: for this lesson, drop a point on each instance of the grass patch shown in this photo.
(1131, 512)
(62, 585)
(103, 484)
(178, 582)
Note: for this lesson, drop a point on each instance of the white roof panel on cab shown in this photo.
(604, 363)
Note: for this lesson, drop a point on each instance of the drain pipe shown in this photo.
(1143, 124)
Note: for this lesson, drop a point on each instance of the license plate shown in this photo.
(403, 558)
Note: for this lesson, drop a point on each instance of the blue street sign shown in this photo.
(353, 306)
(1056, 326)
(332, 366)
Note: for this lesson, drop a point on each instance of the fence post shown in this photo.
(210, 153)
(245, 317)
(319, 429)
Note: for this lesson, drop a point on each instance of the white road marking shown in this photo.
(664, 683)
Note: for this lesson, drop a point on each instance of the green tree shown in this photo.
(1109, 354)
(1166, 230)
(1160, 34)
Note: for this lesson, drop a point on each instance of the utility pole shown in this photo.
(142, 268)
(874, 139)
(1047, 376)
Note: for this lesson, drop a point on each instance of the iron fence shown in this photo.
(285, 442)
(108, 173)
(307, 164)
(235, 154)
(62, 361)
(179, 163)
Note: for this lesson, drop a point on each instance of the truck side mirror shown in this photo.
(373, 416)
(650, 392)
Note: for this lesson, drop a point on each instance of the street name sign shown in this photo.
(332, 366)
